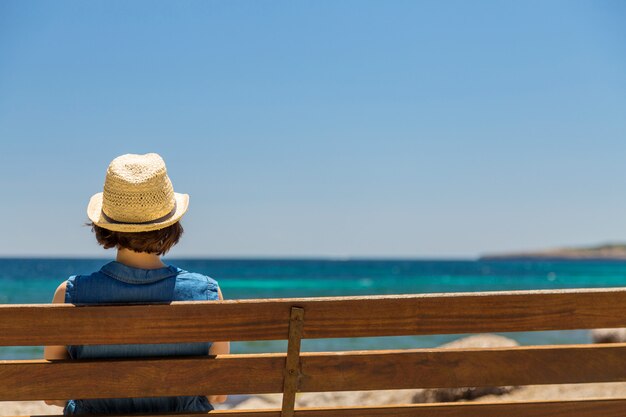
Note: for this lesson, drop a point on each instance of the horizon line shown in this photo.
(255, 258)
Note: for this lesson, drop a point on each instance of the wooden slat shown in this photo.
(292, 363)
(576, 408)
(332, 371)
(438, 368)
(326, 317)
(579, 408)
(233, 374)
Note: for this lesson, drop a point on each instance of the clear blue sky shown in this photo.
(320, 128)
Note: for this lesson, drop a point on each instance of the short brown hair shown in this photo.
(155, 241)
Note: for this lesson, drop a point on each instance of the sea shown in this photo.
(25, 281)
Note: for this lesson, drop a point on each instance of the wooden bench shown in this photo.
(294, 319)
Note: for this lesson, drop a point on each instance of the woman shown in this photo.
(138, 214)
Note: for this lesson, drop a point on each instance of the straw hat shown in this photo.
(138, 196)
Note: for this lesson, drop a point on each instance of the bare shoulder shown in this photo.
(59, 294)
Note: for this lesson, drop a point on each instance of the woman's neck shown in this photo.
(141, 260)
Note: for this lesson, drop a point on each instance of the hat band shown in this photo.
(160, 219)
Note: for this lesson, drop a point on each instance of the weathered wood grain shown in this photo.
(292, 362)
(443, 368)
(332, 371)
(326, 317)
(580, 408)
(40, 380)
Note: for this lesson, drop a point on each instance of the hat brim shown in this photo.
(95, 214)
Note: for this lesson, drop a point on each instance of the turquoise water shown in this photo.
(34, 281)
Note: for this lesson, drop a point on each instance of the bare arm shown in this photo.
(219, 348)
(56, 352)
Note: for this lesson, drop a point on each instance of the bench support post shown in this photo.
(292, 364)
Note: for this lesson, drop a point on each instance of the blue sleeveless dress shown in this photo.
(118, 283)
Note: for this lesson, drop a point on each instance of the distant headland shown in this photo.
(606, 252)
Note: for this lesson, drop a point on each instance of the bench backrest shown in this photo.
(294, 319)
